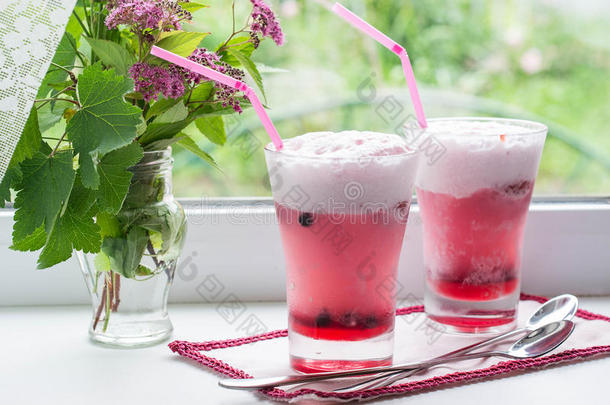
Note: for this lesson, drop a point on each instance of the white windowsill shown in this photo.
(47, 358)
(567, 249)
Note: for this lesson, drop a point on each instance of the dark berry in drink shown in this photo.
(306, 219)
(323, 319)
(370, 322)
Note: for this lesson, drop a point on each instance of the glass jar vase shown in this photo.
(129, 279)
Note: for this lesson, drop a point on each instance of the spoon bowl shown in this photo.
(542, 340)
(562, 307)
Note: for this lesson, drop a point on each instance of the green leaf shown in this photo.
(71, 232)
(187, 143)
(160, 106)
(156, 239)
(11, 179)
(29, 142)
(240, 43)
(191, 6)
(155, 131)
(140, 194)
(112, 54)
(246, 62)
(202, 92)
(49, 115)
(218, 109)
(115, 178)
(213, 127)
(81, 199)
(104, 122)
(125, 253)
(143, 271)
(163, 143)
(109, 224)
(177, 112)
(101, 262)
(31, 242)
(165, 229)
(74, 229)
(182, 43)
(64, 56)
(45, 187)
(73, 27)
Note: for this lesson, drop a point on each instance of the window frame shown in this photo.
(233, 252)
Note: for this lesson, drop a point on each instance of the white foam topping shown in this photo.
(328, 171)
(481, 154)
(346, 144)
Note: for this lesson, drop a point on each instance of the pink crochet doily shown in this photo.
(194, 351)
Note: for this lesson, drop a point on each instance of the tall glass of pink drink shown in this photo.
(342, 201)
(474, 202)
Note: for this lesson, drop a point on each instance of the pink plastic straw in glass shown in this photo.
(228, 81)
(386, 41)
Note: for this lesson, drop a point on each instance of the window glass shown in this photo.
(542, 60)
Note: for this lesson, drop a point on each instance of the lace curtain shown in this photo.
(30, 31)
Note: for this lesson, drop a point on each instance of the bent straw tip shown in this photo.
(340, 9)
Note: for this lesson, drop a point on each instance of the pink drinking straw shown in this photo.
(386, 41)
(228, 81)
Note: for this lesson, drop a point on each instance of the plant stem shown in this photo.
(81, 23)
(152, 252)
(201, 102)
(98, 313)
(110, 301)
(222, 48)
(108, 304)
(61, 67)
(87, 16)
(57, 99)
(158, 263)
(188, 99)
(233, 13)
(117, 288)
(139, 48)
(72, 66)
(237, 44)
(57, 146)
(54, 139)
(58, 94)
(78, 53)
(92, 24)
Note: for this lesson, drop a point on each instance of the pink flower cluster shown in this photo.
(146, 15)
(225, 94)
(151, 80)
(265, 23)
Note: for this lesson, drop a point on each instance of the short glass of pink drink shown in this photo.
(474, 202)
(342, 201)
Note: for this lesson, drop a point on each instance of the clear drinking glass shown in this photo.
(474, 202)
(342, 222)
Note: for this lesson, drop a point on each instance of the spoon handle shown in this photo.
(391, 377)
(269, 382)
(486, 342)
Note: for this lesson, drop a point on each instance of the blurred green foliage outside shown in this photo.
(542, 60)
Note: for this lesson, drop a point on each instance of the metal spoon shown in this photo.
(562, 307)
(536, 343)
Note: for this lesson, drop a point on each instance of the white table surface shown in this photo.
(46, 357)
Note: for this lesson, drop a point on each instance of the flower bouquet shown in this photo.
(102, 187)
